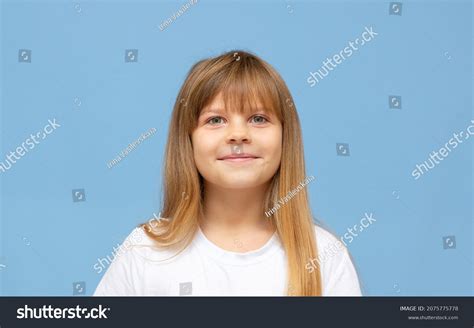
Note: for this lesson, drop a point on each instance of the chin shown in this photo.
(240, 183)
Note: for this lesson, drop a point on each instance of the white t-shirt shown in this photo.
(204, 269)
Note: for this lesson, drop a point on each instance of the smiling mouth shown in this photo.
(238, 159)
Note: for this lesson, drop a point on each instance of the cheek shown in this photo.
(276, 158)
(274, 143)
(203, 146)
(199, 154)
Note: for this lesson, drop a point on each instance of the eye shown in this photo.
(261, 119)
(214, 120)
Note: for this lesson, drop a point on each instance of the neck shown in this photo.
(234, 210)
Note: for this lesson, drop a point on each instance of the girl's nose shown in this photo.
(238, 133)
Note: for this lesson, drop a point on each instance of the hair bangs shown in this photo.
(246, 87)
(249, 88)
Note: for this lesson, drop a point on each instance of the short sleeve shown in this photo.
(125, 274)
(338, 273)
(343, 279)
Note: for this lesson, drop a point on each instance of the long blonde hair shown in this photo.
(244, 79)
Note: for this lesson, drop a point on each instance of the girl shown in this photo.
(235, 217)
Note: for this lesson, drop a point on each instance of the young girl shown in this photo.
(235, 217)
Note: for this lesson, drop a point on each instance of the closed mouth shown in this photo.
(238, 157)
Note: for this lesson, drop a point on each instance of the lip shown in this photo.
(239, 157)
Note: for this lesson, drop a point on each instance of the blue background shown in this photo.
(79, 76)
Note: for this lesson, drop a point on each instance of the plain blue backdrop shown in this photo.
(78, 75)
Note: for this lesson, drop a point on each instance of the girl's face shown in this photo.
(236, 151)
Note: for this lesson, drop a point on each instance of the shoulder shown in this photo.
(331, 250)
(140, 244)
(323, 236)
(125, 274)
(138, 237)
(338, 272)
